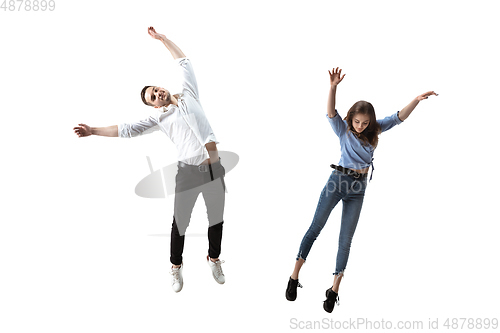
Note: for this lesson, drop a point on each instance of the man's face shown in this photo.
(157, 96)
(360, 122)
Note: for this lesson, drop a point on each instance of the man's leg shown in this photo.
(214, 196)
(215, 240)
(183, 206)
(176, 245)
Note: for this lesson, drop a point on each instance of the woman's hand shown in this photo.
(335, 77)
(152, 32)
(426, 95)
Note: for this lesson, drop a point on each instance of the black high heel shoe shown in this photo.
(291, 289)
(331, 298)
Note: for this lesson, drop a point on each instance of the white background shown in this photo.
(80, 252)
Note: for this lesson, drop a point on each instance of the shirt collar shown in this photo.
(167, 109)
(171, 107)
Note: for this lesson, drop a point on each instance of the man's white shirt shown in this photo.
(186, 124)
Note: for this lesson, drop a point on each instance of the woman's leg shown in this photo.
(336, 281)
(352, 204)
(351, 211)
(332, 193)
(293, 281)
(298, 266)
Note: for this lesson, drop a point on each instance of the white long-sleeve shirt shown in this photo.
(186, 125)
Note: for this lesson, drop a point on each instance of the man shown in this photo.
(183, 120)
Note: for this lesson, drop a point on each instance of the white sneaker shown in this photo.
(217, 270)
(177, 278)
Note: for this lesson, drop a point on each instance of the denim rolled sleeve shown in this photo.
(140, 127)
(189, 83)
(389, 122)
(339, 126)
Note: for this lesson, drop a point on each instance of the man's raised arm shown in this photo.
(174, 49)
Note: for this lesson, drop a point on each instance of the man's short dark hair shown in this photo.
(143, 97)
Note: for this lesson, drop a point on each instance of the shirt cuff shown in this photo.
(211, 138)
(123, 131)
(397, 119)
(336, 114)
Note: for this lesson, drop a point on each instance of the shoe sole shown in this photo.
(324, 303)
(177, 291)
(218, 280)
(327, 310)
(291, 299)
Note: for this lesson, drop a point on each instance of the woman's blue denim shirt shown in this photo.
(354, 154)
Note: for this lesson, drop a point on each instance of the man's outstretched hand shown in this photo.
(152, 32)
(82, 130)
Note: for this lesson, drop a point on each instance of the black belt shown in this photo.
(349, 172)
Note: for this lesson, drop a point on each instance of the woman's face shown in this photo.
(360, 122)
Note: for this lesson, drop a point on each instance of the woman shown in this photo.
(358, 134)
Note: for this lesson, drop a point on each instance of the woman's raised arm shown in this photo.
(406, 111)
(335, 79)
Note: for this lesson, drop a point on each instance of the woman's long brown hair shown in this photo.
(371, 132)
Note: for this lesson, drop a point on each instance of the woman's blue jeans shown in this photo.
(351, 191)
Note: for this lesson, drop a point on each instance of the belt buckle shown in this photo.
(353, 173)
(203, 168)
